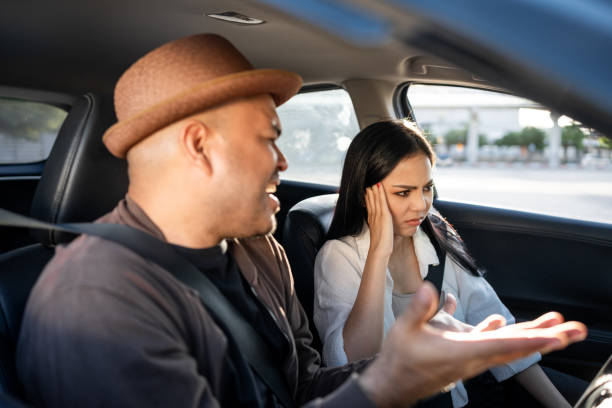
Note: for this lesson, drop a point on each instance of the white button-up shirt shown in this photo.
(337, 276)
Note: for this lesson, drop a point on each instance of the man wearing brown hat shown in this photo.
(106, 327)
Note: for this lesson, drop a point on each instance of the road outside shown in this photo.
(568, 192)
(573, 193)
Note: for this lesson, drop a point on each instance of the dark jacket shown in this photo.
(105, 327)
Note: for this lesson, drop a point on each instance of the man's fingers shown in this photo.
(573, 331)
(492, 322)
(501, 346)
(422, 307)
(450, 303)
(567, 333)
(549, 319)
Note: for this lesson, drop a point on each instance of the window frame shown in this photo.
(403, 108)
(59, 100)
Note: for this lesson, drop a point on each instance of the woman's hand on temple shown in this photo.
(363, 330)
(379, 221)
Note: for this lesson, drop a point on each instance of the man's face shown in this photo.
(247, 168)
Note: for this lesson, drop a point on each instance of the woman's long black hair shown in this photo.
(372, 155)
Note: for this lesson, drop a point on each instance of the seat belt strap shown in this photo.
(250, 344)
(435, 273)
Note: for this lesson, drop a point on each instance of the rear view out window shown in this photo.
(501, 150)
(317, 130)
(27, 130)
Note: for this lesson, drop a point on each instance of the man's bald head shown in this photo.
(217, 167)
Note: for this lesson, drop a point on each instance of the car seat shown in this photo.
(304, 233)
(80, 182)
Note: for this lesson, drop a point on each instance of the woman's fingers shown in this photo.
(379, 220)
(380, 195)
(373, 201)
(384, 209)
(368, 200)
(383, 200)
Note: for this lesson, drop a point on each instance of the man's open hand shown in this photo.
(417, 360)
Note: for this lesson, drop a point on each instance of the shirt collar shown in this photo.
(425, 251)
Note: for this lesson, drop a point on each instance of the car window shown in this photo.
(318, 127)
(500, 150)
(27, 130)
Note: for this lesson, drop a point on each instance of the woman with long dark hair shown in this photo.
(383, 238)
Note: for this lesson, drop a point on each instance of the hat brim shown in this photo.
(281, 85)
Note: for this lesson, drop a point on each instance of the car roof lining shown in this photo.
(85, 46)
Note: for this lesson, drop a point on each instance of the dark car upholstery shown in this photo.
(304, 233)
(80, 182)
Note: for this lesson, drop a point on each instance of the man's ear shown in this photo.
(195, 140)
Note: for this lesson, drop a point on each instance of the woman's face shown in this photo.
(409, 191)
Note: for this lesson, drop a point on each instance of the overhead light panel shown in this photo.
(233, 17)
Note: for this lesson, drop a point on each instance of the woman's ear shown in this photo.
(195, 140)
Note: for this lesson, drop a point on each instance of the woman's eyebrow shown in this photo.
(406, 187)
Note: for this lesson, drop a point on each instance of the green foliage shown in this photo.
(29, 120)
(525, 137)
(482, 139)
(509, 139)
(531, 135)
(431, 138)
(605, 142)
(455, 136)
(572, 136)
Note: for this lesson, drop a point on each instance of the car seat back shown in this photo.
(304, 233)
(80, 182)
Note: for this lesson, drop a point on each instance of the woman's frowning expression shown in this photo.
(409, 191)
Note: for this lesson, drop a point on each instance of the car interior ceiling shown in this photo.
(117, 34)
(85, 46)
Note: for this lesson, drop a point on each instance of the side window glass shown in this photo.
(505, 151)
(27, 130)
(317, 130)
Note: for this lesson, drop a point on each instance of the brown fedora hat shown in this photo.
(185, 77)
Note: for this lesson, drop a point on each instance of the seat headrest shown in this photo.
(304, 233)
(311, 219)
(81, 180)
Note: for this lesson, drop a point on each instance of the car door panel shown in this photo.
(539, 263)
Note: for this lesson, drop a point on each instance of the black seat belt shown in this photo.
(435, 276)
(249, 342)
(435, 273)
